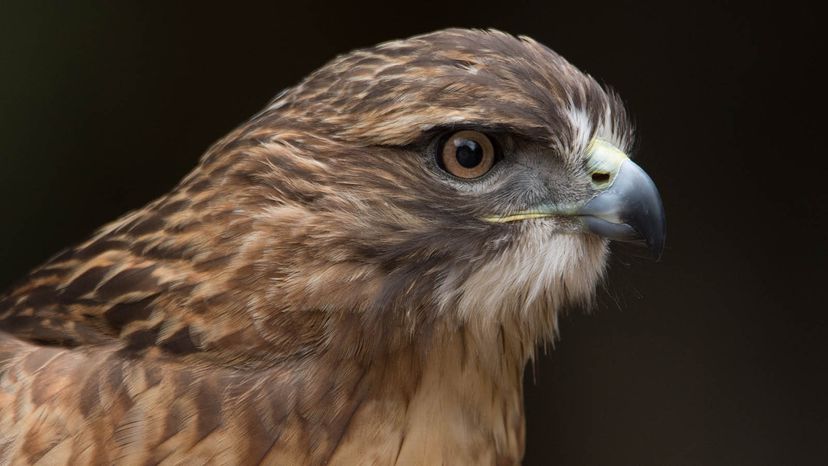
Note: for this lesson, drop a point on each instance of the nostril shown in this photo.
(600, 177)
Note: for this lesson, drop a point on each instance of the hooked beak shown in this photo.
(626, 206)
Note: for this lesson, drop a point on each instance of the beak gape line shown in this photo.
(626, 207)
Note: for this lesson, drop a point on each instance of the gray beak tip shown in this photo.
(629, 210)
(655, 241)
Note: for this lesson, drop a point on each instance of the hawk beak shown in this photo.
(627, 206)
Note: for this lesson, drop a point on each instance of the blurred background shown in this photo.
(717, 355)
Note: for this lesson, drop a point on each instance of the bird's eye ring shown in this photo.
(467, 154)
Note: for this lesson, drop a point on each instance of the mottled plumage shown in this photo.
(317, 290)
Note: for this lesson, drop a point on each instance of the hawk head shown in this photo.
(461, 176)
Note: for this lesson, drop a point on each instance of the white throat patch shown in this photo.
(530, 281)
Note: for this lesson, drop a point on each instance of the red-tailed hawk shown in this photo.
(356, 275)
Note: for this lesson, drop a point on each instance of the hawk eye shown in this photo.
(467, 154)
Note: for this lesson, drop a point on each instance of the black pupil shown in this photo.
(469, 153)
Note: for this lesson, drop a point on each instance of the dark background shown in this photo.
(716, 355)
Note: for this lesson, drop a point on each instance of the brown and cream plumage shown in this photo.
(323, 288)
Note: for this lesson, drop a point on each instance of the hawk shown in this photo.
(356, 275)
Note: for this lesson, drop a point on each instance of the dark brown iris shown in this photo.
(468, 154)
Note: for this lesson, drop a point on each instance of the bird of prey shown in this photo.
(356, 275)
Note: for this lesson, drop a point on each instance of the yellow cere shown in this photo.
(604, 157)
